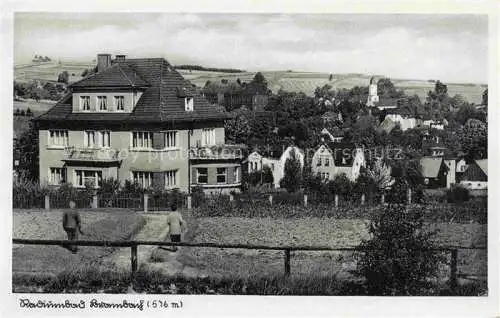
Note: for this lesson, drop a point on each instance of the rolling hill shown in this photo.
(287, 80)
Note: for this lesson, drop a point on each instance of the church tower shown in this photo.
(372, 93)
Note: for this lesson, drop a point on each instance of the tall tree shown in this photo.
(292, 179)
(27, 146)
(473, 137)
(63, 77)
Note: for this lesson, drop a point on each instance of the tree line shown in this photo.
(207, 69)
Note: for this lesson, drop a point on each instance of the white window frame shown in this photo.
(102, 100)
(208, 137)
(86, 139)
(189, 104)
(171, 179)
(97, 178)
(171, 138)
(220, 175)
(119, 102)
(198, 175)
(102, 138)
(327, 161)
(144, 178)
(143, 140)
(60, 173)
(58, 138)
(236, 174)
(85, 103)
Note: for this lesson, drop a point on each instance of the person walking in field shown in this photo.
(175, 225)
(72, 225)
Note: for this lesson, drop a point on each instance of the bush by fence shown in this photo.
(28, 195)
(475, 211)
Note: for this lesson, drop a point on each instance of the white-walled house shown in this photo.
(475, 176)
(333, 159)
(404, 122)
(275, 161)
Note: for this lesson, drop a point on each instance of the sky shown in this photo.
(450, 48)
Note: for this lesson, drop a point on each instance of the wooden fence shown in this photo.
(452, 250)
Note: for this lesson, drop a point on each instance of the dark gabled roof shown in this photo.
(161, 100)
(477, 171)
(118, 75)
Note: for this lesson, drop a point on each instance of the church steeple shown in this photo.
(372, 93)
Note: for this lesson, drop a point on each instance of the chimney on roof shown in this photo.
(103, 62)
(120, 57)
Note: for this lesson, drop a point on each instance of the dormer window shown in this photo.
(102, 102)
(119, 103)
(189, 104)
(85, 102)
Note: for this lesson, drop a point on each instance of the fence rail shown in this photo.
(453, 250)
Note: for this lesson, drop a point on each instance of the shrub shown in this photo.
(197, 196)
(399, 192)
(397, 259)
(61, 196)
(457, 194)
(27, 194)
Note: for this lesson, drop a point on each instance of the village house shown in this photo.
(333, 159)
(475, 176)
(275, 159)
(438, 172)
(405, 122)
(433, 146)
(137, 120)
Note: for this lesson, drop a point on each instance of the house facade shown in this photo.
(333, 159)
(137, 120)
(475, 176)
(275, 161)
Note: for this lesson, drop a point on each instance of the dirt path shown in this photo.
(156, 229)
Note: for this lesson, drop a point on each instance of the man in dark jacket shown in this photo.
(72, 225)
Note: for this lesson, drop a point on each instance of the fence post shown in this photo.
(363, 199)
(454, 269)
(47, 202)
(305, 200)
(409, 195)
(382, 199)
(287, 263)
(336, 200)
(271, 199)
(133, 259)
(231, 197)
(95, 202)
(189, 203)
(146, 197)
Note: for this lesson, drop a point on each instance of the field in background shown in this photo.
(287, 80)
(308, 81)
(49, 71)
(21, 123)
